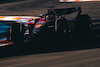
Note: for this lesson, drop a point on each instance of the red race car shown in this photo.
(54, 25)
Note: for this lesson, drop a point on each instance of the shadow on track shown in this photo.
(48, 47)
(29, 47)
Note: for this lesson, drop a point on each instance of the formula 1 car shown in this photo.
(53, 25)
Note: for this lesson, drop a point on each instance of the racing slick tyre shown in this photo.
(83, 24)
(17, 33)
(62, 28)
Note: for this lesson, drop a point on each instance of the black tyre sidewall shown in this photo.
(16, 34)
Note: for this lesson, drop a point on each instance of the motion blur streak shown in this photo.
(76, 0)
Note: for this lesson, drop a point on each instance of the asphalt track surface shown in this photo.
(63, 53)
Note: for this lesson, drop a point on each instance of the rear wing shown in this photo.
(68, 10)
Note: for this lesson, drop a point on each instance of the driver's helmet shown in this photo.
(50, 14)
(47, 17)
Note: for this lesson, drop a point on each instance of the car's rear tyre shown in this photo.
(17, 33)
(83, 25)
(61, 30)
